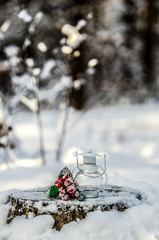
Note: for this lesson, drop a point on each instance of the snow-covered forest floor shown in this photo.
(129, 135)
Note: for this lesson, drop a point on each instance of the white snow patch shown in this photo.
(46, 71)
(25, 16)
(27, 42)
(42, 47)
(35, 228)
(11, 50)
(63, 84)
(21, 80)
(30, 62)
(50, 207)
(81, 23)
(5, 26)
(35, 22)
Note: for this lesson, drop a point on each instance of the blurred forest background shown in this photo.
(79, 53)
(83, 51)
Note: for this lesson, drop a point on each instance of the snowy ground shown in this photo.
(130, 137)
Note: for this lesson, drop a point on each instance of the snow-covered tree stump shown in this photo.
(37, 202)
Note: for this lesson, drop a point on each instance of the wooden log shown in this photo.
(37, 202)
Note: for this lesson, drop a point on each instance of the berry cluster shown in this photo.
(68, 187)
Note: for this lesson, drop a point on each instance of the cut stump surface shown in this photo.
(35, 202)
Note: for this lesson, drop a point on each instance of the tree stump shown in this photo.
(37, 202)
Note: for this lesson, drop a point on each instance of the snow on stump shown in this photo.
(32, 203)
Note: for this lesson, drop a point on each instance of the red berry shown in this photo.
(68, 182)
(71, 188)
(63, 192)
(60, 180)
(58, 184)
(65, 177)
(72, 194)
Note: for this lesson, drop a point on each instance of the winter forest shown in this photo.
(77, 75)
(107, 50)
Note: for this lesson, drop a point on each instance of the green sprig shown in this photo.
(54, 191)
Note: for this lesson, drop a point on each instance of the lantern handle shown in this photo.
(76, 168)
(104, 158)
(103, 169)
(76, 155)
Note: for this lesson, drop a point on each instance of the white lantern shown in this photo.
(90, 177)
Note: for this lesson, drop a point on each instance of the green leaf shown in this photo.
(54, 191)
